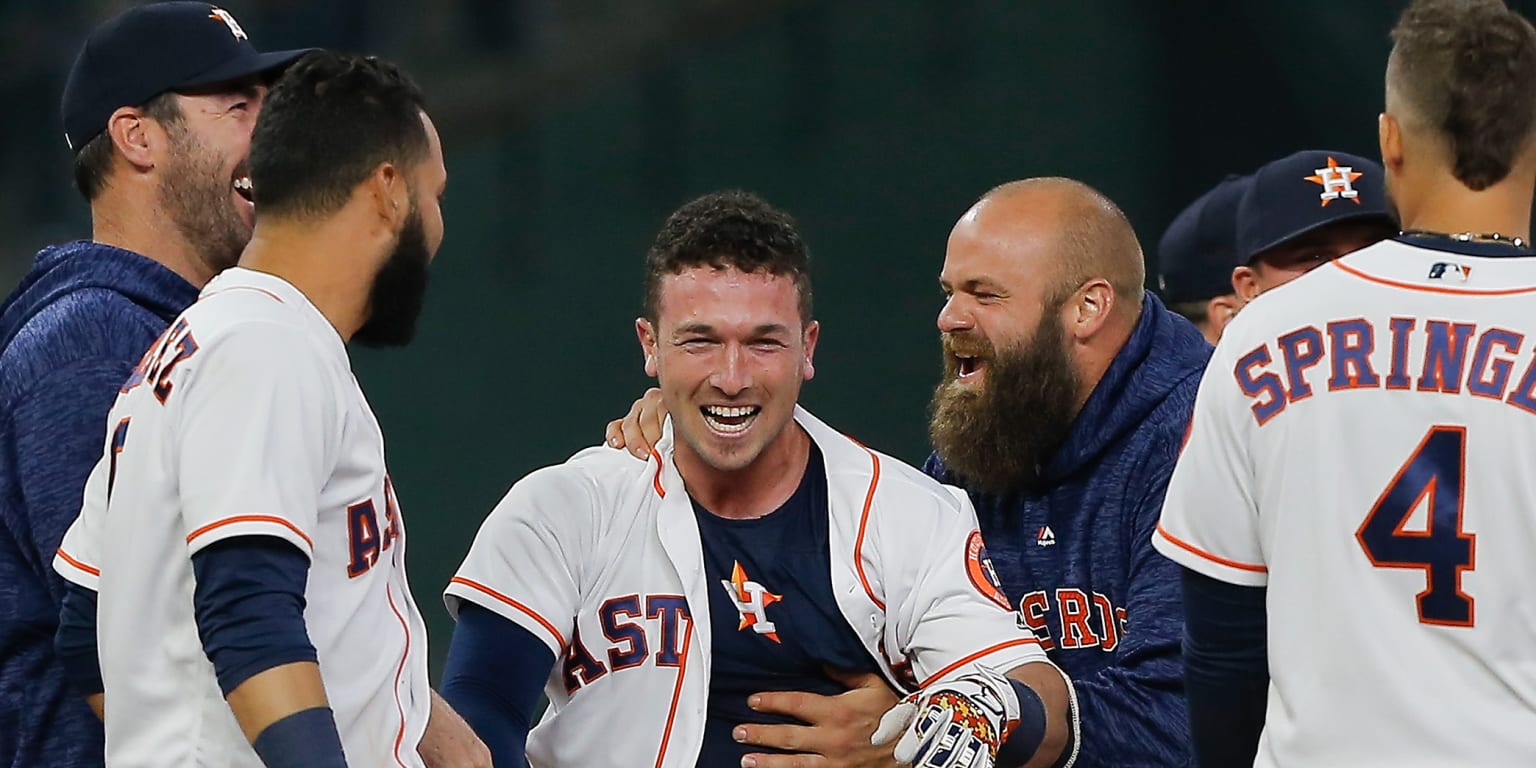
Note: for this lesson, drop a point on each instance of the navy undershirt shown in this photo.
(494, 675)
(786, 552)
(1226, 669)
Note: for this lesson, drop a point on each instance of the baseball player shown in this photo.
(240, 530)
(1304, 210)
(1196, 256)
(756, 549)
(1353, 495)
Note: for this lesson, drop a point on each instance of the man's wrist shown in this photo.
(304, 739)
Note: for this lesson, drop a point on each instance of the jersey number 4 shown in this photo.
(1434, 474)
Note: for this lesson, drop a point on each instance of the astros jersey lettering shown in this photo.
(1361, 447)
(601, 558)
(244, 419)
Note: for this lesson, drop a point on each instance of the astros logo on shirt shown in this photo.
(752, 600)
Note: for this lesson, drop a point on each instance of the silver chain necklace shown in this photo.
(1466, 237)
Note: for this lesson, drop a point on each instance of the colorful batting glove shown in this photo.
(958, 723)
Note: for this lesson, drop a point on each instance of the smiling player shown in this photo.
(757, 550)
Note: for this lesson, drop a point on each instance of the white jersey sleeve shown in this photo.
(258, 428)
(524, 561)
(1210, 518)
(946, 607)
(78, 559)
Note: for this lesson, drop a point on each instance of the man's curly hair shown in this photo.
(1466, 69)
(723, 230)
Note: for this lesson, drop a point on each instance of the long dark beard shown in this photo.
(1000, 438)
(399, 290)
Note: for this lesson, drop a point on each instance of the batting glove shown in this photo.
(958, 723)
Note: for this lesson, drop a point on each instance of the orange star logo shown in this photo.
(1337, 181)
(752, 601)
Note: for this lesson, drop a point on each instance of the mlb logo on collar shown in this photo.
(1443, 270)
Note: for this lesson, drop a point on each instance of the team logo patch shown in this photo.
(751, 600)
(229, 21)
(983, 576)
(1444, 270)
(1338, 182)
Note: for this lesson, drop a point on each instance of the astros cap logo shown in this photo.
(1337, 182)
(229, 21)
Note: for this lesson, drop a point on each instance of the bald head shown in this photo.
(1064, 230)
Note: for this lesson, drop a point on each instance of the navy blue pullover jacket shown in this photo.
(1074, 552)
(69, 335)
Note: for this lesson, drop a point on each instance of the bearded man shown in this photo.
(158, 109)
(1066, 394)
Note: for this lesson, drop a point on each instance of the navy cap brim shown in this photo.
(242, 67)
(1360, 216)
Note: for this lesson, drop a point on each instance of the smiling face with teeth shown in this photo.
(729, 351)
(204, 184)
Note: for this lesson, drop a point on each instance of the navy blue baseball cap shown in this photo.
(1196, 256)
(1306, 191)
(148, 50)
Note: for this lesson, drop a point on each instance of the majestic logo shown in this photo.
(229, 21)
(1338, 182)
(1441, 270)
(1045, 537)
(983, 576)
(752, 600)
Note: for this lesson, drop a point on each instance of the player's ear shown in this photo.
(1220, 311)
(1389, 135)
(812, 333)
(134, 136)
(647, 335)
(390, 195)
(1089, 308)
(1245, 283)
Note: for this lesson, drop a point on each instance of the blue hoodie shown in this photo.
(1075, 555)
(69, 335)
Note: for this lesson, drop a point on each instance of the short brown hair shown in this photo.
(1467, 70)
(729, 229)
(94, 160)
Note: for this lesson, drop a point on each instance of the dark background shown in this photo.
(572, 127)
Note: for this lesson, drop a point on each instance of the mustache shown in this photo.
(966, 344)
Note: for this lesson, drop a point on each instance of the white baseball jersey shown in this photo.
(244, 419)
(1361, 447)
(605, 528)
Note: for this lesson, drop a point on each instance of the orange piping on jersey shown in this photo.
(250, 519)
(977, 655)
(475, 585)
(858, 546)
(78, 564)
(400, 670)
(656, 479)
(677, 693)
(1192, 549)
(270, 294)
(1431, 288)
